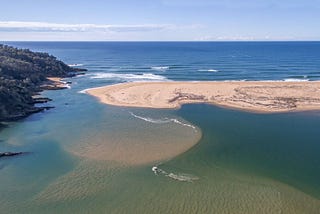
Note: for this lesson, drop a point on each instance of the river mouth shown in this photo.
(236, 159)
(243, 163)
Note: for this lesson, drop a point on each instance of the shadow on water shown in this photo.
(3, 126)
(283, 147)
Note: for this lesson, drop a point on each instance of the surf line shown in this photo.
(162, 121)
(178, 177)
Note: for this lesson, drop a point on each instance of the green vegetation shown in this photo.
(21, 74)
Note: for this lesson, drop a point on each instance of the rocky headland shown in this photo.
(23, 75)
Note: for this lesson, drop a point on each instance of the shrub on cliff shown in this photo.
(21, 73)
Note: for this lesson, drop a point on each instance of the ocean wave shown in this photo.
(163, 120)
(75, 65)
(285, 80)
(160, 68)
(239, 80)
(128, 77)
(268, 80)
(295, 80)
(209, 70)
(179, 176)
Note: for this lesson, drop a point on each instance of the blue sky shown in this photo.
(159, 20)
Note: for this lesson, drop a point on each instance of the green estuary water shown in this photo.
(243, 163)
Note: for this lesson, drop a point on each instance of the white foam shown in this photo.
(160, 68)
(295, 80)
(151, 120)
(128, 77)
(183, 124)
(284, 80)
(209, 70)
(83, 91)
(240, 80)
(163, 121)
(75, 65)
(178, 177)
(182, 177)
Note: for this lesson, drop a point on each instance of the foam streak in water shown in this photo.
(178, 177)
(209, 70)
(162, 121)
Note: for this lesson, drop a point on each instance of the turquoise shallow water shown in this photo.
(86, 157)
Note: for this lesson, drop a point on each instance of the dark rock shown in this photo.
(48, 107)
(41, 100)
(80, 69)
(10, 154)
(52, 87)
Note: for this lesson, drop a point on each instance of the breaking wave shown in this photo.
(295, 80)
(128, 77)
(283, 80)
(160, 68)
(75, 65)
(209, 70)
(163, 121)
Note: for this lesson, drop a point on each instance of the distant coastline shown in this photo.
(256, 96)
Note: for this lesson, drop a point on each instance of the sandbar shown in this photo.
(257, 96)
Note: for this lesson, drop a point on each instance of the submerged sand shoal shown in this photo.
(251, 96)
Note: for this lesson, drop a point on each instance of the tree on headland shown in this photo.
(21, 74)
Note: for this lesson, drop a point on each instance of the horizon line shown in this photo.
(146, 41)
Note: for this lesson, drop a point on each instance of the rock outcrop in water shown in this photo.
(22, 72)
(10, 154)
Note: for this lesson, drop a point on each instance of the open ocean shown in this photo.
(87, 157)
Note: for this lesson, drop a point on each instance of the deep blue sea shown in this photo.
(129, 61)
(88, 157)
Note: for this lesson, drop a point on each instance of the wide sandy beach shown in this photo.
(250, 96)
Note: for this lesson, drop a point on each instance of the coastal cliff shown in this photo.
(22, 75)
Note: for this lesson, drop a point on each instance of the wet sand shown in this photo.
(144, 144)
(256, 96)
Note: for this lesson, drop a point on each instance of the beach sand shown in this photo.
(55, 83)
(256, 96)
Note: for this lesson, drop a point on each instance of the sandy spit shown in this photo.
(249, 96)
